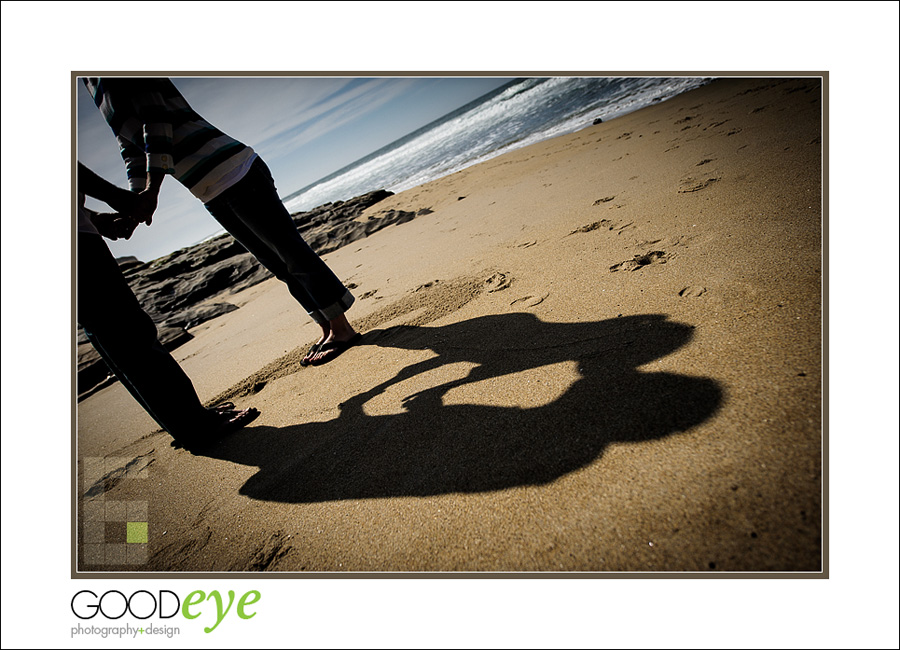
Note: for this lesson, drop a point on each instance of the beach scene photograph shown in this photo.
(450, 324)
(586, 326)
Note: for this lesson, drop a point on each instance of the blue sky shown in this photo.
(304, 127)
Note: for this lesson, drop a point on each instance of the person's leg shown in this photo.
(126, 338)
(253, 213)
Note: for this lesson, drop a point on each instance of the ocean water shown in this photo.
(517, 114)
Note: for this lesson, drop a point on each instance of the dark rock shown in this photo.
(194, 316)
(128, 263)
(597, 121)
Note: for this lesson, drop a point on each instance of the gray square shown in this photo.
(114, 466)
(136, 554)
(94, 553)
(136, 511)
(94, 511)
(115, 553)
(94, 532)
(138, 472)
(115, 510)
(93, 470)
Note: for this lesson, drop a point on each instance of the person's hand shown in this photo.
(145, 206)
(113, 225)
(148, 198)
(122, 201)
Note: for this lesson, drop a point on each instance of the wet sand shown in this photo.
(599, 353)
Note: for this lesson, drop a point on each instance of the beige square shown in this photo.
(94, 532)
(94, 496)
(115, 510)
(136, 554)
(138, 472)
(116, 553)
(94, 554)
(114, 466)
(94, 511)
(93, 470)
(136, 511)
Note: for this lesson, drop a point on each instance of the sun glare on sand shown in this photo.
(536, 387)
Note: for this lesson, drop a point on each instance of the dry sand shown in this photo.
(598, 353)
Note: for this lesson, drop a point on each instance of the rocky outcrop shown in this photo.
(187, 287)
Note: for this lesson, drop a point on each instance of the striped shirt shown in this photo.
(157, 130)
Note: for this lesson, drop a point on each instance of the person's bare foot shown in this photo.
(340, 337)
(314, 349)
(220, 421)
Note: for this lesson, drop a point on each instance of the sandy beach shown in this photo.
(599, 353)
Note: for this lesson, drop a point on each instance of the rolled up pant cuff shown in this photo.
(334, 310)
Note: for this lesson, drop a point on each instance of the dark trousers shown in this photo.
(252, 212)
(125, 336)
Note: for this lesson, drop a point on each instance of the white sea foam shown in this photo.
(521, 114)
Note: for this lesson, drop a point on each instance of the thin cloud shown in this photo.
(334, 115)
(278, 115)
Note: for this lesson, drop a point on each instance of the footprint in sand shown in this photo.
(603, 224)
(527, 244)
(640, 261)
(530, 301)
(425, 286)
(705, 161)
(695, 185)
(497, 282)
(368, 294)
(606, 199)
(692, 292)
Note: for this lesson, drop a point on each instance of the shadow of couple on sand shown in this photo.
(436, 448)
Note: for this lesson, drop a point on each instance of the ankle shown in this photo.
(341, 328)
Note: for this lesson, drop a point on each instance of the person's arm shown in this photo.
(139, 115)
(118, 199)
(135, 164)
(110, 225)
(150, 100)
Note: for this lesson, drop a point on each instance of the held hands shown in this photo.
(148, 198)
(145, 206)
(113, 225)
(138, 205)
(131, 209)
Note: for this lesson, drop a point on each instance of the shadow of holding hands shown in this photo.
(435, 448)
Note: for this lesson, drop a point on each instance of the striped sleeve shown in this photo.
(135, 164)
(152, 105)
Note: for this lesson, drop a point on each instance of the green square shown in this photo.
(136, 532)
